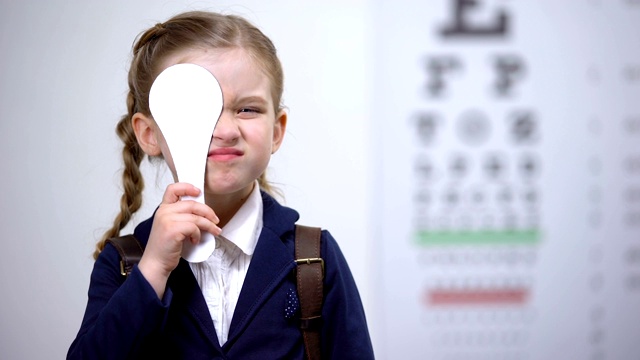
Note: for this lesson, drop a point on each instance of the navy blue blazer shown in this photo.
(124, 318)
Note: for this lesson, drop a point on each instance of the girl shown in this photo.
(241, 303)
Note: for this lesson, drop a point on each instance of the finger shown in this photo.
(204, 224)
(191, 207)
(174, 192)
(189, 232)
(183, 223)
(195, 236)
(204, 211)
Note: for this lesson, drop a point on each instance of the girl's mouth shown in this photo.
(224, 154)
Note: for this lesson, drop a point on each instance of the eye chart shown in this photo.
(508, 157)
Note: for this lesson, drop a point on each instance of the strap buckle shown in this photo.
(311, 324)
(123, 270)
(310, 261)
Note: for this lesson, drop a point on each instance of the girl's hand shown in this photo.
(175, 221)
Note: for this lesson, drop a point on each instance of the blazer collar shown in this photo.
(271, 263)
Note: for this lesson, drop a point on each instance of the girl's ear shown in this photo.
(279, 128)
(145, 129)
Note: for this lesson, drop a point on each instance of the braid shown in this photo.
(132, 181)
(149, 36)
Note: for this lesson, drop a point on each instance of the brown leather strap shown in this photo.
(310, 287)
(130, 252)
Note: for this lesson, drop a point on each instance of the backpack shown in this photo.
(310, 274)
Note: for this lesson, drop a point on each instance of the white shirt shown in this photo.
(221, 276)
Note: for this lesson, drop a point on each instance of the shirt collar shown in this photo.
(245, 226)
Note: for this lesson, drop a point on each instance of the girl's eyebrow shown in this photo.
(254, 99)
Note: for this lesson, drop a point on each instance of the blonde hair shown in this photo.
(190, 30)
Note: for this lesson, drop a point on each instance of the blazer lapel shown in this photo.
(187, 292)
(271, 263)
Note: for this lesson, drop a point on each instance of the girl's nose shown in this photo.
(226, 130)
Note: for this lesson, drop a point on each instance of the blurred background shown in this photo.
(478, 162)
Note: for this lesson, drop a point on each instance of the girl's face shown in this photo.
(248, 130)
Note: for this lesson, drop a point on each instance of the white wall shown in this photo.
(62, 86)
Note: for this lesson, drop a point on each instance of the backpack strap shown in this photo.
(310, 276)
(130, 252)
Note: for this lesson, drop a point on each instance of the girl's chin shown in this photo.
(220, 190)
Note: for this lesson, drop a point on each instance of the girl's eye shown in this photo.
(249, 112)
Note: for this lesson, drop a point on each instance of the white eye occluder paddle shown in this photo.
(186, 102)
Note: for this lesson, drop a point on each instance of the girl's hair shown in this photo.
(191, 30)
